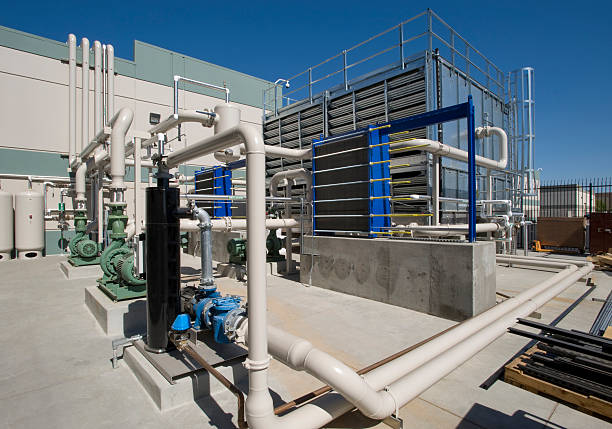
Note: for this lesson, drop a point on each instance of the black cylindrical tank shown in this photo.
(163, 265)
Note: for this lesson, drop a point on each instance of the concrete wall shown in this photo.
(34, 107)
(451, 280)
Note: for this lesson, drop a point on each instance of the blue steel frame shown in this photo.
(446, 114)
(222, 185)
(380, 181)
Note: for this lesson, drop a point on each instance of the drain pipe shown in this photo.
(207, 281)
(71, 99)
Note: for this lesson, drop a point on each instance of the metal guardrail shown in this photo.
(436, 33)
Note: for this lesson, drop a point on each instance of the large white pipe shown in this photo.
(80, 186)
(423, 366)
(97, 87)
(438, 148)
(110, 70)
(71, 99)
(206, 118)
(137, 185)
(120, 123)
(30, 178)
(227, 224)
(298, 173)
(85, 95)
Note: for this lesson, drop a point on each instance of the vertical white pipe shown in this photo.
(120, 123)
(435, 189)
(71, 98)
(137, 180)
(100, 207)
(97, 87)
(110, 70)
(85, 95)
(105, 117)
(289, 237)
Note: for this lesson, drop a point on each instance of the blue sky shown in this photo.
(569, 47)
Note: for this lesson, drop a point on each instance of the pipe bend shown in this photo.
(80, 175)
(120, 123)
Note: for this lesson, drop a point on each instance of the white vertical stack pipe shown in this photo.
(97, 87)
(71, 98)
(85, 95)
(120, 123)
(110, 71)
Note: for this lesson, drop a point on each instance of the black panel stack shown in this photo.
(163, 264)
(342, 173)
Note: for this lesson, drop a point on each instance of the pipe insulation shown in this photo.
(206, 258)
(423, 366)
(97, 87)
(110, 76)
(85, 95)
(441, 149)
(298, 173)
(227, 224)
(120, 124)
(71, 99)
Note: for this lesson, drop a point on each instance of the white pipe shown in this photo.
(435, 189)
(120, 123)
(177, 79)
(284, 152)
(429, 363)
(84, 94)
(137, 185)
(28, 177)
(97, 87)
(110, 70)
(104, 87)
(80, 187)
(298, 173)
(71, 99)
(227, 224)
(206, 118)
(441, 149)
(100, 206)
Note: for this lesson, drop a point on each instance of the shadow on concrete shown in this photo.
(217, 416)
(483, 416)
(135, 319)
(189, 271)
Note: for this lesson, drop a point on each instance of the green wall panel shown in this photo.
(15, 161)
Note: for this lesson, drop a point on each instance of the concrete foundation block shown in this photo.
(85, 272)
(451, 280)
(187, 389)
(123, 318)
(233, 271)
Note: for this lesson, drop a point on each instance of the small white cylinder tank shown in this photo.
(229, 116)
(6, 225)
(29, 224)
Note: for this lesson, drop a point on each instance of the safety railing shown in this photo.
(423, 32)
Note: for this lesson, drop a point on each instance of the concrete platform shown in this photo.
(446, 279)
(185, 390)
(123, 318)
(85, 272)
(56, 371)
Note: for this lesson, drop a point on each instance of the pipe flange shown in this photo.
(232, 321)
(256, 365)
(205, 311)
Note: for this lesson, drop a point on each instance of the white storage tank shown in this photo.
(6, 225)
(29, 224)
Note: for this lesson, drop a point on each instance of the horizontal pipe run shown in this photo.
(228, 224)
(207, 119)
(199, 83)
(427, 364)
(204, 197)
(10, 176)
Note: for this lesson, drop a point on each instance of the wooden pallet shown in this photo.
(587, 404)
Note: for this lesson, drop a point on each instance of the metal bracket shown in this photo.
(394, 422)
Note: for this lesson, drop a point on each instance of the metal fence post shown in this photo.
(345, 71)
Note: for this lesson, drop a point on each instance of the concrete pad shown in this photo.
(186, 390)
(85, 272)
(447, 279)
(123, 318)
(232, 271)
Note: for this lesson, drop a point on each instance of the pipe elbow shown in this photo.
(80, 177)
(253, 140)
(204, 218)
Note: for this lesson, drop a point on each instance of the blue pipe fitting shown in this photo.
(221, 309)
(181, 323)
